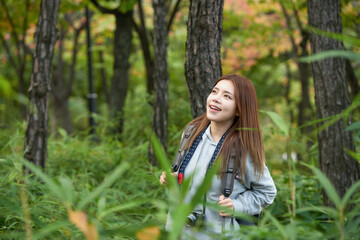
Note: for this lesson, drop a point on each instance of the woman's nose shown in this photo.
(216, 98)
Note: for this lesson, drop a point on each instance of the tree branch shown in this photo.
(141, 15)
(74, 57)
(14, 33)
(7, 49)
(23, 45)
(173, 13)
(297, 18)
(103, 9)
(288, 24)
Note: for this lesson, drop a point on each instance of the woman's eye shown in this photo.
(213, 91)
(227, 96)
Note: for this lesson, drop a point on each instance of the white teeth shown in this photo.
(215, 108)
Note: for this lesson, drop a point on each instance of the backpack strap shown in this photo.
(228, 185)
(228, 180)
(180, 156)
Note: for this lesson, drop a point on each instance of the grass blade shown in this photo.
(326, 184)
(106, 183)
(52, 186)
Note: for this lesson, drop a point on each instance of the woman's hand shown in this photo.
(163, 177)
(226, 202)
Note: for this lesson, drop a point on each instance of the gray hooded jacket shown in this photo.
(250, 196)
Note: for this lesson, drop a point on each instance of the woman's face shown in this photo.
(220, 105)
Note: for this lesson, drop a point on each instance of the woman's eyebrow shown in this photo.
(216, 88)
(228, 92)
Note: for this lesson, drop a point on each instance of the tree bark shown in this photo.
(203, 59)
(119, 84)
(304, 106)
(145, 45)
(37, 116)
(331, 97)
(161, 75)
(122, 47)
(62, 89)
(103, 77)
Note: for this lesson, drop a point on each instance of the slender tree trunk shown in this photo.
(60, 92)
(305, 109)
(62, 89)
(304, 106)
(122, 47)
(331, 96)
(21, 77)
(145, 45)
(203, 59)
(37, 118)
(62, 113)
(161, 75)
(103, 77)
(288, 88)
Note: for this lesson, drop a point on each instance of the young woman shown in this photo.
(228, 130)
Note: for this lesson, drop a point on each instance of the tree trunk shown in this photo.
(145, 45)
(37, 124)
(305, 109)
(103, 77)
(203, 59)
(304, 106)
(331, 97)
(62, 113)
(122, 47)
(59, 90)
(161, 75)
(21, 77)
(287, 90)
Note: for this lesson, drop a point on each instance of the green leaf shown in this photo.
(122, 207)
(327, 186)
(164, 163)
(68, 190)
(353, 126)
(179, 216)
(62, 132)
(106, 183)
(349, 193)
(277, 224)
(52, 186)
(326, 210)
(279, 121)
(46, 230)
(330, 54)
(354, 41)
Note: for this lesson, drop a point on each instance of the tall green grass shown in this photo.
(108, 187)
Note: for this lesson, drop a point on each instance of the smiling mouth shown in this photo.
(214, 108)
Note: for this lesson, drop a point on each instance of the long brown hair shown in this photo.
(244, 135)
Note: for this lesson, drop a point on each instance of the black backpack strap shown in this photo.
(229, 176)
(181, 152)
(228, 185)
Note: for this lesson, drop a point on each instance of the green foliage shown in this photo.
(332, 53)
(113, 184)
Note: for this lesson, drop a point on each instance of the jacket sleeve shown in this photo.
(260, 190)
